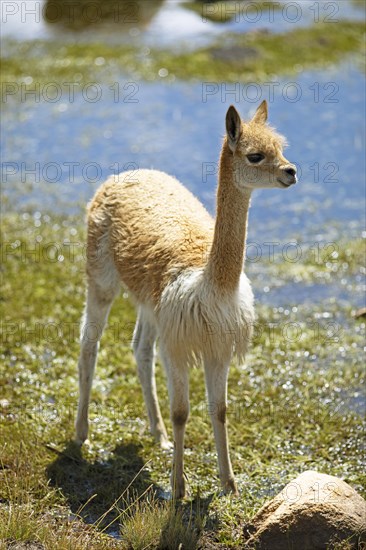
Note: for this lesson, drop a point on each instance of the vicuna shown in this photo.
(184, 270)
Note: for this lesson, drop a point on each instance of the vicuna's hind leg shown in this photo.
(144, 337)
(97, 308)
(216, 376)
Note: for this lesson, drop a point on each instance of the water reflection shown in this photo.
(84, 14)
(164, 23)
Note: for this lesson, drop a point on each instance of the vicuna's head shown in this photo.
(257, 150)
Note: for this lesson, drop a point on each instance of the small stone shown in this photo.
(360, 313)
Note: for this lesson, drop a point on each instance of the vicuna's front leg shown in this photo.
(144, 349)
(178, 388)
(216, 382)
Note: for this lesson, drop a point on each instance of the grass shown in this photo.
(316, 263)
(290, 409)
(253, 56)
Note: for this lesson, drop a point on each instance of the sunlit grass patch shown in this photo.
(48, 530)
(144, 524)
(154, 524)
(322, 261)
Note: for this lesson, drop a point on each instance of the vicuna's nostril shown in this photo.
(290, 171)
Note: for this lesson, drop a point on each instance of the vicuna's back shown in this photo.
(156, 227)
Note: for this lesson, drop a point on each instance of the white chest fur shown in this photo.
(196, 321)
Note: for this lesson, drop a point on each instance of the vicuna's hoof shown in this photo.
(166, 445)
(179, 492)
(230, 488)
(81, 433)
(81, 440)
(179, 488)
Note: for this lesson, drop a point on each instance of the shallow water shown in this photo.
(304, 294)
(56, 154)
(166, 22)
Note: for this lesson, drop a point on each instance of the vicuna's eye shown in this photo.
(255, 158)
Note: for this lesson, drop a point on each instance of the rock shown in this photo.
(313, 512)
(360, 313)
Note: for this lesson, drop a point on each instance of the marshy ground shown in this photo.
(297, 404)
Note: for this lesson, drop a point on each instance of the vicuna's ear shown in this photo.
(233, 127)
(261, 113)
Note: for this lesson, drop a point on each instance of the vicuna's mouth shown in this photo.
(285, 185)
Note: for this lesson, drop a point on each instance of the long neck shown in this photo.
(226, 259)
